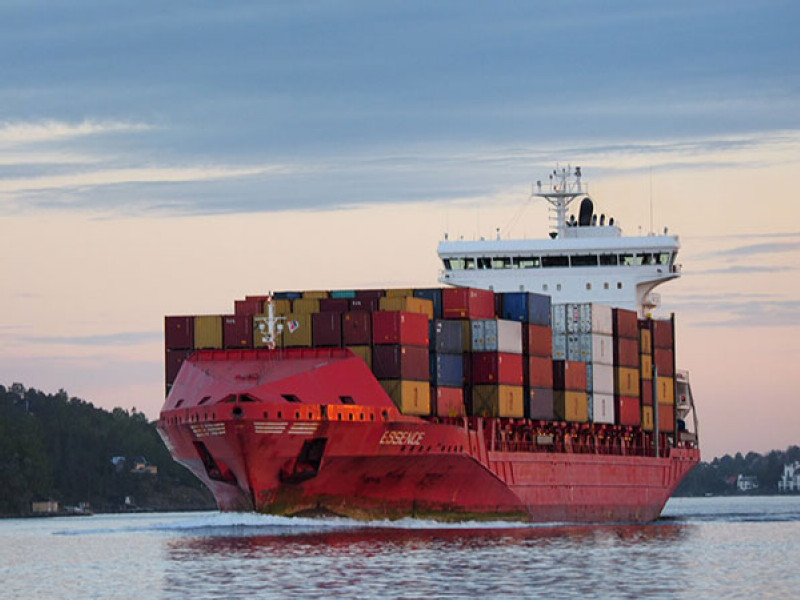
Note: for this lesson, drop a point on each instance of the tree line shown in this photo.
(53, 447)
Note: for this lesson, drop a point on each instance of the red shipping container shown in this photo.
(397, 327)
(537, 340)
(179, 333)
(237, 331)
(449, 402)
(357, 328)
(248, 306)
(364, 304)
(627, 410)
(467, 303)
(370, 294)
(665, 362)
(662, 334)
(497, 367)
(569, 375)
(626, 323)
(646, 387)
(401, 362)
(334, 305)
(172, 363)
(326, 329)
(666, 417)
(540, 372)
(626, 352)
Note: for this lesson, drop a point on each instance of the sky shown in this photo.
(167, 158)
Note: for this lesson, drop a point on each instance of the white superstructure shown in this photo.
(584, 260)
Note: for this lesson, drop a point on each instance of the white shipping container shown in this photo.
(597, 318)
(559, 318)
(574, 347)
(573, 317)
(602, 408)
(508, 337)
(559, 346)
(596, 348)
(600, 378)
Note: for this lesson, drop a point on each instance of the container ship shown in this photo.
(534, 385)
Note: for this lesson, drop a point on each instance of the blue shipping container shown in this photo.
(287, 295)
(435, 296)
(343, 294)
(446, 336)
(447, 369)
(527, 307)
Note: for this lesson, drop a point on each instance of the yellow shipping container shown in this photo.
(297, 331)
(647, 418)
(365, 352)
(408, 304)
(666, 390)
(410, 397)
(626, 381)
(283, 306)
(208, 331)
(498, 401)
(315, 294)
(399, 293)
(646, 341)
(646, 367)
(571, 406)
(305, 306)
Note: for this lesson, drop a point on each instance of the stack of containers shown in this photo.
(646, 374)
(496, 370)
(589, 328)
(400, 359)
(533, 313)
(627, 391)
(178, 345)
(571, 402)
(662, 333)
(447, 368)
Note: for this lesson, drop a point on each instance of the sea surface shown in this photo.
(700, 548)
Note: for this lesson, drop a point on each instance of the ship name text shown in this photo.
(402, 438)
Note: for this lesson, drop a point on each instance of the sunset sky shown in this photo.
(167, 158)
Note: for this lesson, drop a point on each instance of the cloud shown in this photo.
(106, 339)
(37, 132)
(750, 250)
(741, 270)
(738, 310)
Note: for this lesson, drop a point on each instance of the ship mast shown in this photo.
(565, 185)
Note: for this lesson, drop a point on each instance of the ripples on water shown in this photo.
(701, 548)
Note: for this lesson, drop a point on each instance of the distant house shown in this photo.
(44, 507)
(790, 480)
(746, 483)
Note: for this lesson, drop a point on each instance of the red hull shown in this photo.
(273, 435)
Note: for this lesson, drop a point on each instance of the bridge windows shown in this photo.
(584, 260)
(609, 260)
(558, 261)
(555, 261)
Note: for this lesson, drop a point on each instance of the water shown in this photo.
(701, 548)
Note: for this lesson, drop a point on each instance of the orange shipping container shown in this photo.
(399, 293)
(449, 402)
(208, 331)
(626, 381)
(645, 340)
(646, 369)
(315, 294)
(666, 418)
(410, 397)
(407, 304)
(666, 390)
(498, 401)
(571, 406)
(297, 331)
(305, 306)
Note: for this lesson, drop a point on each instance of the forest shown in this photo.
(53, 447)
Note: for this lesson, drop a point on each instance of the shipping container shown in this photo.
(626, 323)
(208, 331)
(626, 352)
(646, 367)
(446, 336)
(467, 303)
(248, 306)
(326, 328)
(647, 392)
(559, 318)
(287, 295)
(498, 401)
(315, 294)
(237, 331)
(539, 404)
(364, 304)
(628, 411)
(599, 378)
(449, 401)
(589, 318)
(407, 329)
(410, 397)
(281, 306)
(179, 333)
(602, 408)
(370, 294)
(336, 305)
(496, 335)
(574, 348)
(297, 332)
(497, 368)
(435, 296)
(569, 375)
(665, 361)
(305, 306)
(559, 346)
(172, 363)
(647, 418)
(666, 390)
(662, 334)
(407, 304)
(399, 292)
(401, 362)
(356, 328)
(666, 418)
(343, 294)
(596, 348)
(571, 406)
(645, 338)
(626, 381)
(539, 372)
(537, 340)
(526, 307)
(363, 352)
(447, 369)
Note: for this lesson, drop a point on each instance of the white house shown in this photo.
(790, 480)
